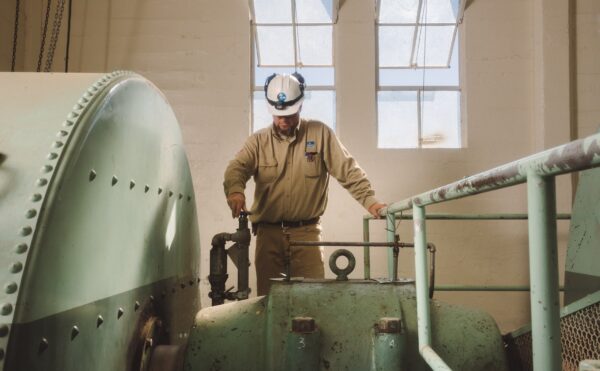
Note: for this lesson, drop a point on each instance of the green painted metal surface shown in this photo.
(391, 237)
(543, 272)
(366, 250)
(98, 219)
(255, 334)
(538, 170)
(582, 265)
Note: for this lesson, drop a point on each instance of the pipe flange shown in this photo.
(342, 274)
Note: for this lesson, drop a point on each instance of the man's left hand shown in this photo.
(374, 209)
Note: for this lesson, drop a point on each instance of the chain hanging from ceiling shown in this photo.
(58, 15)
(15, 36)
(44, 32)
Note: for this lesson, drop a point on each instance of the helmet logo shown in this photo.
(281, 97)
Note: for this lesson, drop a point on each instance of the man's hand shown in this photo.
(237, 203)
(374, 209)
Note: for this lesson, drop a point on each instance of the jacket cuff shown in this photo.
(369, 201)
(235, 189)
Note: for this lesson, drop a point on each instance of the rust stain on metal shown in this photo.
(441, 193)
(573, 156)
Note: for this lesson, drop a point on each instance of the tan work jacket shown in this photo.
(292, 174)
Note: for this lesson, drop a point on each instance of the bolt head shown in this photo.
(303, 325)
(389, 325)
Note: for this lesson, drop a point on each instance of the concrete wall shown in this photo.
(7, 19)
(198, 53)
(587, 72)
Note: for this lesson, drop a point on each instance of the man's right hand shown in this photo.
(237, 203)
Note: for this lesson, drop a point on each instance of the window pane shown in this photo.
(397, 119)
(318, 105)
(314, 76)
(394, 11)
(314, 11)
(439, 11)
(275, 45)
(315, 45)
(437, 41)
(414, 77)
(441, 119)
(395, 45)
(273, 11)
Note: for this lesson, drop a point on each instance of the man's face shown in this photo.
(286, 124)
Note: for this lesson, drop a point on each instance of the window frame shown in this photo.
(419, 90)
(255, 56)
(294, 24)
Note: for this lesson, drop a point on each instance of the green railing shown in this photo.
(539, 171)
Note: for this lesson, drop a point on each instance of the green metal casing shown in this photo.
(98, 226)
(582, 265)
(256, 334)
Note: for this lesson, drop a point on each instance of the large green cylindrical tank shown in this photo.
(99, 244)
(336, 325)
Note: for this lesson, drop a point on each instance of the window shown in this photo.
(418, 92)
(295, 35)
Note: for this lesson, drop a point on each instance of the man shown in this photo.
(291, 162)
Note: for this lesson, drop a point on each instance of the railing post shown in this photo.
(543, 273)
(422, 287)
(366, 250)
(391, 237)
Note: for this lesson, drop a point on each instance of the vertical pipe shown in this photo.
(391, 237)
(242, 238)
(423, 319)
(543, 273)
(366, 250)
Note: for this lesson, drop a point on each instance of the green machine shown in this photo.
(98, 234)
(100, 248)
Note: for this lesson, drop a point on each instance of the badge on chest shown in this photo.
(310, 150)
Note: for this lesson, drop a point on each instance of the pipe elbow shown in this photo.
(219, 239)
(241, 237)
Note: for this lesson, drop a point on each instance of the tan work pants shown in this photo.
(271, 251)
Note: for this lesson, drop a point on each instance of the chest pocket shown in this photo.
(313, 168)
(267, 172)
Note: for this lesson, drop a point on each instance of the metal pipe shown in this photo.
(422, 291)
(543, 272)
(450, 216)
(484, 288)
(218, 268)
(442, 216)
(423, 319)
(347, 243)
(391, 237)
(242, 260)
(366, 250)
(396, 252)
(577, 155)
(433, 359)
(218, 263)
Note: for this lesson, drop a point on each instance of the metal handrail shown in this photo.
(538, 171)
(578, 155)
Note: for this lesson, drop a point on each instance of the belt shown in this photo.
(288, 224)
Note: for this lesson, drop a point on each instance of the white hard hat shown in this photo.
(284, 93)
